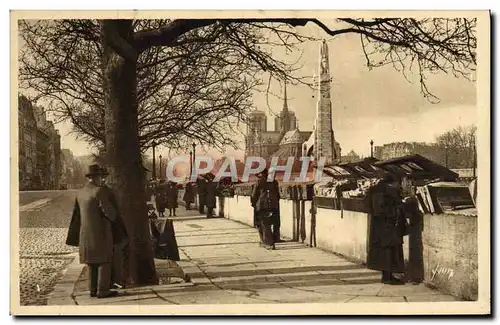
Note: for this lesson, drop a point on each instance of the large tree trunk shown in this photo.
(123, 151)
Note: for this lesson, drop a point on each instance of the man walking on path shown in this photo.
(276, 222)
(201, 183)
(265, 200)
(120, 237)
(97, 214)
(210, 194)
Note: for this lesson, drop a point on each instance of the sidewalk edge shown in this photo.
(63, 291)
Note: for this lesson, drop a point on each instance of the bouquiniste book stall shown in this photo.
(345, 186)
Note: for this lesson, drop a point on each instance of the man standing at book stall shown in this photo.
(387, 228)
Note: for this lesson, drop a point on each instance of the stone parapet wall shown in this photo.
(449, 240)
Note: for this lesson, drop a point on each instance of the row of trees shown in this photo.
(459, 147)
(125, 83)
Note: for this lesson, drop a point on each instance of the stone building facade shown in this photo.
(287, 140)
(40, 158)
(27, 134)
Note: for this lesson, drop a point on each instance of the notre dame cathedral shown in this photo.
(287, 140)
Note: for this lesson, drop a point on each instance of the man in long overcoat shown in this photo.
(97, 214)
(200, 184)
(211, 189)
(265, 201)
(385, 251)
(188, 195)
(120, 236)
(171, 198)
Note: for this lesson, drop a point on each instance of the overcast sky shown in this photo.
(379, 104)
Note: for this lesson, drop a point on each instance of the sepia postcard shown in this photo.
(250, 163)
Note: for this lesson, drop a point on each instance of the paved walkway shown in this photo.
(227, 266)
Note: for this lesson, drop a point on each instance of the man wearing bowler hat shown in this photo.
(97, 214)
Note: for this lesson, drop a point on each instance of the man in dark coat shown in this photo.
(385, 251)
(171, 198)
(97, 214)
(188, 195)
(265, 201)
(120, 237)
(200, 184)
(210, 194)
(276, 222)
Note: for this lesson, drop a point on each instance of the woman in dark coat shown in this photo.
(385, 251)
(160, 198)
(188, 195)
(172, 197)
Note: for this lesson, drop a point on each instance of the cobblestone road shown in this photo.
(44, 219)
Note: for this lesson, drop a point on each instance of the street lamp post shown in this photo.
(190, 164)
(160, 169)
(154, 144)
(194, 155)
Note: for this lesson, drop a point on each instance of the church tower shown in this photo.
(324, 140)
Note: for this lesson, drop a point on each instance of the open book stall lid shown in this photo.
(417, 167)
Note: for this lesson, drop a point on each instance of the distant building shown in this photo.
(27, 143)
(398, 149)
(48, 150)
(286, 140)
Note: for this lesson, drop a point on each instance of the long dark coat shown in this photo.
(172, 197)
(201, 184)
(274, 195)
(211, 190)
(118, 226)
(387, 222)
(96, 216)
(160, 198)
(188, 194)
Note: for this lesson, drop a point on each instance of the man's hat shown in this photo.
(104, 171)
(94, 170)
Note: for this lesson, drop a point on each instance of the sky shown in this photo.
(379, 105)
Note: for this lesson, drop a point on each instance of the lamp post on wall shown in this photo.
(371, 148)
(154, 144)
(160, 168)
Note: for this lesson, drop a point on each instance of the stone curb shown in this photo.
(63, 291)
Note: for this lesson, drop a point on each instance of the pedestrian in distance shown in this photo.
(200, 184)
(276, 219)
(95, 214)
(172, 197)
(188, 195)
(210, 194)
(161, 198)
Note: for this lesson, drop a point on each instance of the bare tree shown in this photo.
(460, 146)
(197, 91)
(433, 45)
